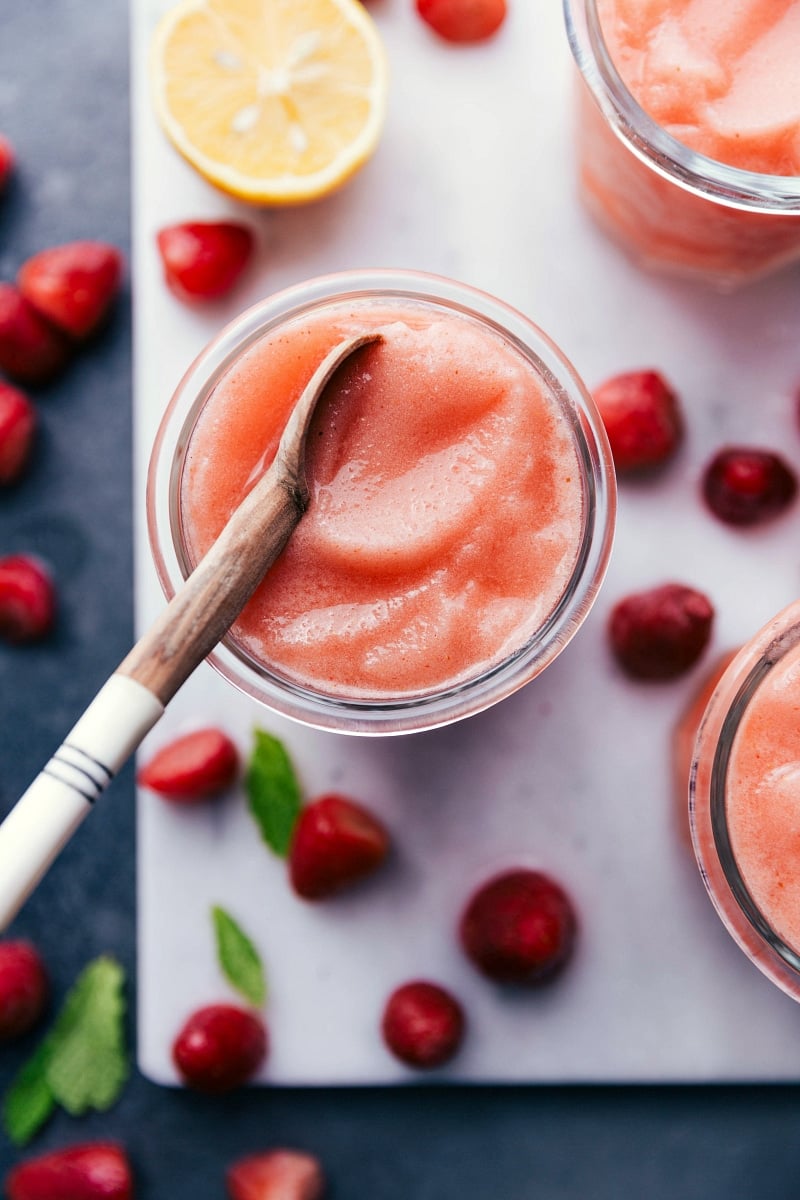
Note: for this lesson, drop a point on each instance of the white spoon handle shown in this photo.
(49, 812)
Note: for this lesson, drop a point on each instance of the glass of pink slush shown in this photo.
(745, 799)
(462, 500)
(688, 131)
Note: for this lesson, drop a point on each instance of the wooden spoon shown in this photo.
(194, 621)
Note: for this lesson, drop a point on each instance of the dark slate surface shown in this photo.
(64, 101)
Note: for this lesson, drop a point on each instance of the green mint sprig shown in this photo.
(81, 1063)
(238, 958)
(273, 792)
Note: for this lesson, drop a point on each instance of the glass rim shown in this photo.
(405, 713)
(708, 819)
(732, 187)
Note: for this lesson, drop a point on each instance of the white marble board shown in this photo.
(474, 179)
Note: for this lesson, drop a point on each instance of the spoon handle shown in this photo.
(188, 629)
(65, 791)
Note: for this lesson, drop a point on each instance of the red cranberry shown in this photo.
(27, 599)
(23, 988)
(423, 1025)
(660, 633)
(742, 486)
(519, 927)
(219, 1048)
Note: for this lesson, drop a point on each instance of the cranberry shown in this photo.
(660, 633)
(519, 927)
(27, 599)
(743, 486)
(23, 988)
(219, 1048)
(423, 1025)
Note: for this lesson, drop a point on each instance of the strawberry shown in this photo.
(743, 486)
(276, 1175)
(23, 988)
(192, 767)
(6, 160)
(92, 1171)
(519, 927)
(336, 842)
(660, 633)
(642, 417)
(27, 599)
(423, 1025)
(463, 20)
(31, 350)
(17, 430)
(73, 286)
(203, 259)
(219, 1048)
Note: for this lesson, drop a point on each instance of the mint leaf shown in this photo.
(273, 792)
(29, 1101)
(88, 1064)
(81, 1063)
(239, 958)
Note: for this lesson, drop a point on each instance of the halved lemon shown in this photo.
(274, 101)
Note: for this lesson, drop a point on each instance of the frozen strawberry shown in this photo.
(463, 20)
(73, 285)
(203, 259)
(17, 430)
(219, 1048)
(31, 350)
(519, 927)
(92, 1171)
(6, 160)
(276, 1175)
(192, 767)
(642, 418)
(336, 842)
(660, 633)
(423, 1025)
(743, 486)
(27, 599)
(23, 988)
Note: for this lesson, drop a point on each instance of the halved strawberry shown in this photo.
(92, 1171)
(73, 285)
(192, 767)
(336, 842)
(17, 430)
(203, 259)
(31, 350)
(276, 1175)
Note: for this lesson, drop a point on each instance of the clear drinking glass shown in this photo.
(670, 207)
(724, 839)
(426, 710)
